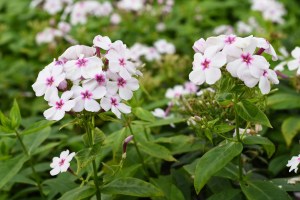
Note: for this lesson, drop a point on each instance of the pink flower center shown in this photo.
(61, 162)
(49, 81)
(247, 58)
(81, 62)
(113, 101)
(86, 95)
(59, 104)
(122, 62)
(59, 62)
(298, 159)
(205, 64)
(100, 78)
(265, 73)
(230, 39)
(121, 82)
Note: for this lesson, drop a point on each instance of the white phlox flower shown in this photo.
(59, 106)
(295, 63)
(114, 104)
(62, 163)
(293, 163)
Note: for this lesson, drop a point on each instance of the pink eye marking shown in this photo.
(230, 40)
(113, 101)
(86, 95)
(247, 58)
(59, 104)
(61, 162)
(49, 81)
(81, 62)
(122, 62)
(205, 64)
(121, 82)
(100, 79)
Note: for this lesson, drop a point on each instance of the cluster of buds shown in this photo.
(90, 79)
(242, 57)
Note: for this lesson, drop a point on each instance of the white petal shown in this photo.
(65, 167)
(294, 64)
(124, 108)
(59, 114)
(296, 53)
(116, 112)
(232, 67)
(124, 73)
(67, 95)
(112, 87)
(49, 113)
(64, 154)
(99, 92)
(125, 93)
(55, 171)
(218, 60)
(79, 105)
(264, 85)
(105, 104)
(68, 105)
(70, 157)
(197, 77)
(39, 88)
(212, 75)
(91, 105)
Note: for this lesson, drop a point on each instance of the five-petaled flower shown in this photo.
(61, 163)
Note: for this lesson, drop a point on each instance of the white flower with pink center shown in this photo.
(268, 77)
(247, 62)
(159, 113)
(191, 88)
(83, 67)
(48, 81)
(118, 56)
(61, 163)
(114, 104)
(122, 86)
(206, 68)
(85, 98)
(152, 54)
(295, 63)
(53, 6)
(164, 47)
(102, 42)
(176, 92)
(59, 106)
(293, 163)
(99, 81)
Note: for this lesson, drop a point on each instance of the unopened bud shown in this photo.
(126, 141)
(63, 85)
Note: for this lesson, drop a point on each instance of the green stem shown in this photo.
(237, 130)
(136, 147)
(36, 177)
(90, 132)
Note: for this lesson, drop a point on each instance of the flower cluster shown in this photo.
(242, 57)
(160, 47)
(139, 5)
(271, 10)
(293, 64)
(90, 78)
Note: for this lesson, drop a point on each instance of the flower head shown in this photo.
(61, 163)
(293, 163)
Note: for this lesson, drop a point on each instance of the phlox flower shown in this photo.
(74, 52)
(83, 67)
(61, 163)
(48, 81)
(293, 163)
(295, 63)
(102, 42)
(85, 98)
(122, 86)
(98, 81)
(206, 68)
(164, 47)
(114, 104)
(268, 76)
(118, 56)
(59, 106)
(159, 113)
(176, 92)
(53, 6)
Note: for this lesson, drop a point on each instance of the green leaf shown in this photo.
(284, 185)
(32, 142)
(5, 121)
(132, 187)
(228, 194)
(15, 115)
(265, 142)
(9, 168)
(280, 101)
(278, 163)
(163, 122)
(263, 190)
(251, 113)
(213, 161)
(156, 150)
(37, 126)
(78, 193)
(143, 114)
(290, 128)
(222, 128)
